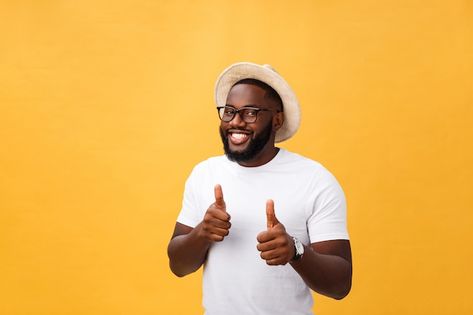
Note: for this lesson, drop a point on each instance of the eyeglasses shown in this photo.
(248, 114)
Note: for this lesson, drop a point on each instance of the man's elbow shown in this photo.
(176, 271)
(181, 270)
(342, 292)
(179, 274)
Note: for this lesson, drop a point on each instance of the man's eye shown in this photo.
(228, 111)
(250, 112)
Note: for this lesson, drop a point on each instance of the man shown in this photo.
(259, 261)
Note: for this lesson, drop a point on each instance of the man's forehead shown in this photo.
(249, 93)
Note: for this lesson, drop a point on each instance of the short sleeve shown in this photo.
(190, 214)
(328, 219)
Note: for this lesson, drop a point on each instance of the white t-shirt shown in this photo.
(308, 201)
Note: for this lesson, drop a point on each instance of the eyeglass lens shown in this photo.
(247, 114)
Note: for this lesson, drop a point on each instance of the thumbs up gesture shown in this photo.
(275, 245)
(216, 223)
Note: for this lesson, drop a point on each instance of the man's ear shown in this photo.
(278, 120)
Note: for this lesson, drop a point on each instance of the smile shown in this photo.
(238, 137)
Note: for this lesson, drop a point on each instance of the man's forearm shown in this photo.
(187, 252)
(329, 275)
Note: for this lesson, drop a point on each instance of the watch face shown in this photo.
(299, 249)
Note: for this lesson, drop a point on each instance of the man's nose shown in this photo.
(237, 121)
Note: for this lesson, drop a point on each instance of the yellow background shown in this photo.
(105, 107)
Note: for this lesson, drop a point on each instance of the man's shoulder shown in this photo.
(292, 157)
(210, 163)
(305, 166)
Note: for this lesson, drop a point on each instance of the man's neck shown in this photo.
(262, 158)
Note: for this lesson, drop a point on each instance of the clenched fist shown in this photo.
(216, 223)
(275, 245)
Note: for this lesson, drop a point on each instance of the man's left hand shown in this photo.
(275, 245)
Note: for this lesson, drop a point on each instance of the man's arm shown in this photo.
(325, 266)
(186, 250)
(188, 247)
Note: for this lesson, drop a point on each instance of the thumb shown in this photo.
(219, 202)
(271, 219)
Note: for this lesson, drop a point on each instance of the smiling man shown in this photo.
(267, 224)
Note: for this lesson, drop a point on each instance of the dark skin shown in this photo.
(325, 267)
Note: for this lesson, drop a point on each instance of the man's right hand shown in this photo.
(216, 224)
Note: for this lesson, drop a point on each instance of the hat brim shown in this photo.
(264, 73)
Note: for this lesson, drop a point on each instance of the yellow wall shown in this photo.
(105, 106)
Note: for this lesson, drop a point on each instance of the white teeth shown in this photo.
(238, 138)
(238, 135)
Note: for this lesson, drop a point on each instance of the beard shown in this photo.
(255, 146)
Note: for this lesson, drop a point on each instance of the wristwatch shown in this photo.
(299, 249)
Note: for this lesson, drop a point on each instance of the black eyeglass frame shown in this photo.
(237, 111)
